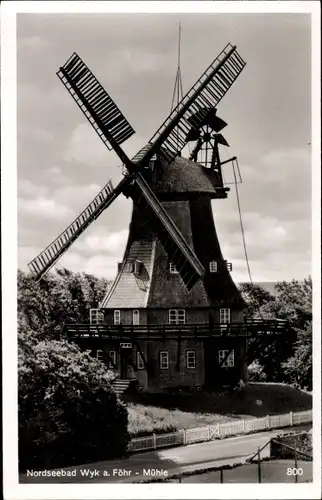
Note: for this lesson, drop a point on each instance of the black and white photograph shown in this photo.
(160, 250)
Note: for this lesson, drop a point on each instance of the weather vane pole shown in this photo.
(178, 87)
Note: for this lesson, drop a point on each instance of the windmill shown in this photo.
(173, 314)
(167, 142)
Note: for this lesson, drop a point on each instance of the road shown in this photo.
(166, 462)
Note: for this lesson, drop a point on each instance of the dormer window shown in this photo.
(173, 269)
(152, 162)
(137, 267)
(213, 266)
(130, 266)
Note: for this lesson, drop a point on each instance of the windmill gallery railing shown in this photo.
(249, 328)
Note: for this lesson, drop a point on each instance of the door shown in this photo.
(124, 363)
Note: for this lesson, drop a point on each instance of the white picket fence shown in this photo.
(219, 431)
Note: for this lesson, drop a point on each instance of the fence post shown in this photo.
(268, 422)
(295, 465)
(291, 418)
(221, 475)
(243, 426)
(154, 441)
(184, 436)
(208, 432)
(259, 465)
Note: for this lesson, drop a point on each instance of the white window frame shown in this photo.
(137, 312)
(117, 317)
(164, 361)
(96, 316)
(172, 268)
(213, 266)
(224, 316)
(177, 316)
(230, 361)
(100, 356)
(112, 354)
(139, 361)
(191, 363)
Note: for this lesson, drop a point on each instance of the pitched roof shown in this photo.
(129, 290)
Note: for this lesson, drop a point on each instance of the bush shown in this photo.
(68, 411)
(256, 372)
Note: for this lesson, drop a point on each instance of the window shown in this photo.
(96, 316)
(112, 360)
(164, 360)
(213, 266)
(126, 345)
(139, 361)
(224, 316)
(191, 359)
(100, 355)
(136, 317)
(177, 316)
(117, 317)
(230, 360)
(229, 265)
(173, 269)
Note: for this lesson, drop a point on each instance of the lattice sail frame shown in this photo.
(113, 129)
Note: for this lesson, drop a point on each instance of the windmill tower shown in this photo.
(173, 316)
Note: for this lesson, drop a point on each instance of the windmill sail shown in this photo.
(207, 92)
(113, 129)
(98, 107)
(48, 257)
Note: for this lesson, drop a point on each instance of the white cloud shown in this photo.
(113, 242)
(98, 265)
(54, 170)
(26, 254)
(32, 43)
(86, 147)
(35, 133)
(43, 207)
(28, 188)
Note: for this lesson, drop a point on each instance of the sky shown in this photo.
(62, 163)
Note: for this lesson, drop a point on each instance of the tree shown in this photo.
(298, 368)
(68, 411)
(286, 358)
(61, 297)
(255, 297)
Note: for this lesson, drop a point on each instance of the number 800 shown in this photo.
(294, 472)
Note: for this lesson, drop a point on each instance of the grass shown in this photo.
(151, 419)
(160, 413)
